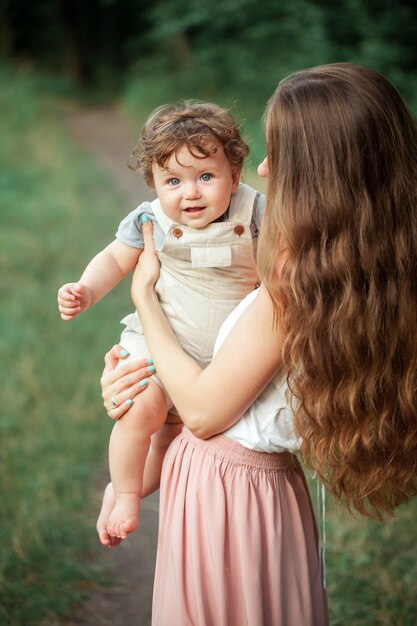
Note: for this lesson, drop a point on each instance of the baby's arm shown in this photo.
(100, 276)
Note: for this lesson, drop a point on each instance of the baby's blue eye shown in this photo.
(206, 177)
(174, 181)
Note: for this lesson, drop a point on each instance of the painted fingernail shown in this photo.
(149, 361)
(143, 382)
(124, 352)
(144, 218)
(129, 402)
(151, 368)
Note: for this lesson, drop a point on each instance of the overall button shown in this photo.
(239, 229)
(177, 233)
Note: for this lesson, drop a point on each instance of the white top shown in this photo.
(268, 424)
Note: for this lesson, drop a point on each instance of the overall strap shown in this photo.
(164, 221)
(241, 205)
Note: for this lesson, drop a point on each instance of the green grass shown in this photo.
(56, 210)
(371, 567)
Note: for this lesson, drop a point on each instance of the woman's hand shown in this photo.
(147, 269)
(121, 386)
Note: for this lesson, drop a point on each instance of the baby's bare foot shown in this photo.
(124, 516)
(107, 507)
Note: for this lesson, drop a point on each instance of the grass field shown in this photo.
(372, 568)
(56, 210)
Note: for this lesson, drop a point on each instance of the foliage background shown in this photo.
(57, 208)
(234, 50)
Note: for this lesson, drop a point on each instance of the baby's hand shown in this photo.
(73, 298)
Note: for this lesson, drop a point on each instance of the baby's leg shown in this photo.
(160, 442)
(129, 445)
(107, 507)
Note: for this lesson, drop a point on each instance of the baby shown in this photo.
(205, 230)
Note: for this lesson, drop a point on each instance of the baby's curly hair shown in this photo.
(198, 126)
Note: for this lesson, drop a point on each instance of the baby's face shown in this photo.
(195, 191)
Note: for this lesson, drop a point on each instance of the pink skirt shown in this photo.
(237, 539)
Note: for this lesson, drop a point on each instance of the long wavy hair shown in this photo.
(338, 255)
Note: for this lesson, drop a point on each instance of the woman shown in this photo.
(336, 319)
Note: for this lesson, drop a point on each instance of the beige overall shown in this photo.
(205, 273)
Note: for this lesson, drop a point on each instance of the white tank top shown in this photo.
(268, 424)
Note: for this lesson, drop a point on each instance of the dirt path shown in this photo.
(109, 136)
(104, 132)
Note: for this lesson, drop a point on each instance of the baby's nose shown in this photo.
(191, 191)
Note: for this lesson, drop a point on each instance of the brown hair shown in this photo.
(341, 223)
(199, 126)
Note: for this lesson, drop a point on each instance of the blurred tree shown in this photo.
(79, 24)
(390, 42)
(241, 42)
(85, 39)
(238, 41)
(380, 33)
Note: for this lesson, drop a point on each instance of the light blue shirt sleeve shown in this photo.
(130, 228)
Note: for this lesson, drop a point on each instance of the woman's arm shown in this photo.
(210, 400)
